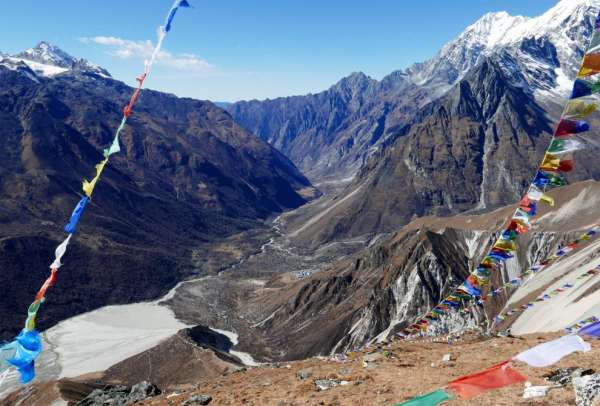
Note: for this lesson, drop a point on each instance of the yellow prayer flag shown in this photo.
(506, 245)
(88, 187)
(547, 199)
(550, 162)
(580, 109)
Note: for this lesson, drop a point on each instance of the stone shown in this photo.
(587, 390)
(197, 400)
(304, 374)
(325, 384)
(120, 395)
(565, 376)
(373, 357)
(346, 371)
(143, 390)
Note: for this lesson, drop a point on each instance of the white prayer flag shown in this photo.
(551, 352)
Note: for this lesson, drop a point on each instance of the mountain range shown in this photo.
(332, 133)
(215, 204)
(458, 132)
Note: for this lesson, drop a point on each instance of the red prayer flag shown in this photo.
(517, 226)
(495, 377)
(49, 282)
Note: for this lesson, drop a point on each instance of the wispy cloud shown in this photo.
(128, 49)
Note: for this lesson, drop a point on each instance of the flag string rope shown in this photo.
(22, 352)
(468, 303)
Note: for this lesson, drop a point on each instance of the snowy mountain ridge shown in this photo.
(547, 49)
(48, 60)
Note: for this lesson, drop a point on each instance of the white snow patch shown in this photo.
(96, 340)
(473, 243)
(243, 356)
(561, 310)
(40, 68)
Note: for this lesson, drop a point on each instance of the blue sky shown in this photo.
(242, 49)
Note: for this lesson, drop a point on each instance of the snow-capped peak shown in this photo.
(547, 48)
(48, 54)
(492, 28)
(49, 60)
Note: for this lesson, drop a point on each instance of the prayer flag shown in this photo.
(28, 345)
(60, 252)
(495, 377)
(580, 108)
(593, 330)
(551, 352)
(114, 147)
(171, 15)
(77, 212)
(88, 187)
(430, 399)
(560, 146)
(536, 194)
(570, 127)
(590, 65)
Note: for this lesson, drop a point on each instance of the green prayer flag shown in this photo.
(430, 399)
(114, 147)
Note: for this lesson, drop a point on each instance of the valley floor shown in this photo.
(400, 371)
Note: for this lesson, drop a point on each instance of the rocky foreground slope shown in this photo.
(379, 375)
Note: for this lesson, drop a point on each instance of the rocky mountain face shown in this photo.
(187, 176)
(331, 134)
(474, 147)
(396, 280)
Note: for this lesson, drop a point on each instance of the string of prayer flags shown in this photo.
(498, 376)
(549, 353)
(551, 294)
(430, 399)
(466, 292)
(581, 323)
(26, 347)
